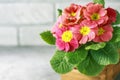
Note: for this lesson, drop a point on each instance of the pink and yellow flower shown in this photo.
(85, 32)
(66, 42)
(96, 13)
(112, 15)
(104, 33)
(72, 14)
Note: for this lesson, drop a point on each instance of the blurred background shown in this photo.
(23, 55)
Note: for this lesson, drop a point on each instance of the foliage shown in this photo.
(59, 12)
(99, 2)
(48, 37)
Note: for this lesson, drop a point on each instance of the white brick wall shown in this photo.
(30, 36)
(8, 36)
(21, 21)
(26, 13)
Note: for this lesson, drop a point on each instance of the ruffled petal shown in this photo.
(74, 45)
(97, 39)
(91, 24)
(60, 44)
(91, 36)
(106, 36)
(94, 8)
(100, 21)
(67, 47)
(83, 40)
(103, 12)
(108, 28)
(76, 33)
(86, 14)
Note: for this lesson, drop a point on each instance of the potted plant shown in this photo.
(87, 38)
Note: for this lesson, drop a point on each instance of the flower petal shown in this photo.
(67, 47)
(94, 8)
(97, 39)
(91, 36)
(83, 40)
(60, 44)
(112, 15)
(103, 12)
(108, 28)
(91, 24)
(74, 43)
(106, 36)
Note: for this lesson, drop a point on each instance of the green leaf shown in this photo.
(96, 46)
(90, 67)
(60, 63)
(117, 18)
(59, 12)
(117, 45)
(116, 35)
(48, 37)
(106, 56)
(77, 56)
(99, 2)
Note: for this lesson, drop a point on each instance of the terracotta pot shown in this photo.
(109, 73)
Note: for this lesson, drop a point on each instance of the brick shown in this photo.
(8, 36)
(30, 35)
(26, 13)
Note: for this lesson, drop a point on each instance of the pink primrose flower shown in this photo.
(72, 14)
(96, 13)
(85, 32)
(65, 41)
(104, 33)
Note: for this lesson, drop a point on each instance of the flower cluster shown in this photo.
(81, 24)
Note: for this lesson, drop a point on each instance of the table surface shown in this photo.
(28, 63)
(31, 63)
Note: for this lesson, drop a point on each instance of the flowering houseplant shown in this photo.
(87, 38)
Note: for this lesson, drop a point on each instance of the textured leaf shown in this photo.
(96, 46)
(99, 2)
(116, 35)
(77, 56)
(59, 12)
(90, 67)
(106, 56)
(117, 45)
(60, 63)
(48, 37)
(118, 18)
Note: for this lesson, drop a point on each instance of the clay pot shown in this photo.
(109, 73)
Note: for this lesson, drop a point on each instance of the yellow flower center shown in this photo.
(67, 36)
(60, 25)
(95, 16)
(73, 14)
(100, 31)
(85, 30)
